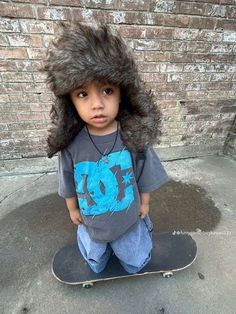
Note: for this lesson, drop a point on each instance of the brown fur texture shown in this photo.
(84, 53)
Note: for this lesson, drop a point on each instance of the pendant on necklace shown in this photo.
(105, 159)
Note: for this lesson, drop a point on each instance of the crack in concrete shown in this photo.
(7, 196)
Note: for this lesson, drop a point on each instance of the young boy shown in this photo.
(104, 128)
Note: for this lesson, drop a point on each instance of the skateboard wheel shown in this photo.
(167, 274)
(88, 285)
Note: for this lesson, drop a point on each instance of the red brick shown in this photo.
(150, 18)
(180, 46)
(216, 85)
(202, 57)
(222, 58)
(35, 26)
(4, 98)
(7, 65)
(198, 46)
(9, 25)
(39, 77)
(181, 57)
(125, 17)
(194, 68)
(164, 87)
(147, 44)
(8, 117)
(164, 6)
(16, 10)
(138, 55)
(40, 107)
(199, 22)
(36, 53)
(134, 5)
(148, 67)
(222, 48)
(25, 40)
(227, 1)
(225, 24)
(175, 21)
(29, 116)
(196, 94)
(3, 127)
(205, 35)
(217, 68)
(27, 65)
(17, 77)
(8, 88)
(69, 3)
(159, 33)
(157, 56)
(36, 88)
(208, 1)
(3, 40)
(215, 10)
(191, 8)
(231, 12)
(32, 1)
(185, 34)
(21, 125)
(25, 98)
(166, 45)
(221, 77)
(53, 13)
(12, 53)
(188, 77)
(88, 15)
(153, 77)
(132, 31)
(88, 3)
(228, 109)
(227, 102)
(165, 68)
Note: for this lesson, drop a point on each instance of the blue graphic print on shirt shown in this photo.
(105, 185)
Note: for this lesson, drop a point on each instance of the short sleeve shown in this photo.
(150, 173)
(66, 187)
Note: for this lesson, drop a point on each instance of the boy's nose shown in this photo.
(96, 102)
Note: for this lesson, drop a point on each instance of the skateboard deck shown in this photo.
(171, 252)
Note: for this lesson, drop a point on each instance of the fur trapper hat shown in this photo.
(83, 53)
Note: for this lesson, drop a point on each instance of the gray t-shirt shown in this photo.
(107, 188)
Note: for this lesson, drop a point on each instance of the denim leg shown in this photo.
(96, 254)
(134, 247)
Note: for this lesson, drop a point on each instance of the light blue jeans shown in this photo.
(133, 248)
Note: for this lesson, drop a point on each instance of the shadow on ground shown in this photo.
(32, 233)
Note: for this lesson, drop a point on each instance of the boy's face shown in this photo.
(97, 104)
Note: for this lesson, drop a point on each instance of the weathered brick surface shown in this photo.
(185, 51)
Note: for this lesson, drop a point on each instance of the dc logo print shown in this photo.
(105, 186)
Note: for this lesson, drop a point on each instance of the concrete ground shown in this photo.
(200, 199)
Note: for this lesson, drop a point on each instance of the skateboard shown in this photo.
(171, 252)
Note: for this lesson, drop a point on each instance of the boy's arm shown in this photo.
(74, 211)
(144, 209)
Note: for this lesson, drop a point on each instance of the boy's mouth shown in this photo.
(99, 118)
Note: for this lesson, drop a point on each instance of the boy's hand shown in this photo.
(76, 217)
(144, 210)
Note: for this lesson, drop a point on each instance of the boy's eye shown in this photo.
(108, 91)
(82, 94)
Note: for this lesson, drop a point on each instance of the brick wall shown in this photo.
(230, 143)
(185, 51)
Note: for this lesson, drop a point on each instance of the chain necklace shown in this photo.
(105, 158)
